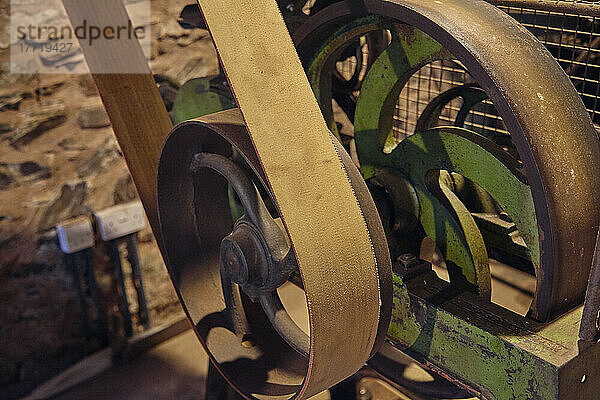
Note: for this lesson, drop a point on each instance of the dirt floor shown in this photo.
(175, 369)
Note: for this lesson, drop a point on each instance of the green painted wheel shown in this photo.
(459, 241)
(548, 125)
(443, 216)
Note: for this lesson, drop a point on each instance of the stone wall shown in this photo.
(59, 159)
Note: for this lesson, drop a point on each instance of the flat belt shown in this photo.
(312, 189)
(138, 115)
(348, 289)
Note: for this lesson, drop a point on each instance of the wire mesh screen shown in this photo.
(427, 83)
(574, 41)
(570, 32)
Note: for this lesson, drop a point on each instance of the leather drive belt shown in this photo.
(325, 207)
(342, 257)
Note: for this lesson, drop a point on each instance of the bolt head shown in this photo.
(234, 260)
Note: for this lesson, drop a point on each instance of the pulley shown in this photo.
(227, 272)
(551, 198)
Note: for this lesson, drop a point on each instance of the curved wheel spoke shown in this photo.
(446, 220)
(459, 238)
(234, 310)
(283, 323)
(321, 65)
(478, 159)
(470, 94)
(470, 99)
(382, 86)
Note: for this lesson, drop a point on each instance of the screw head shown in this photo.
(364, 393)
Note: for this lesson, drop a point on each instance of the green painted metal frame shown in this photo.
(495, 352)
(198, 97)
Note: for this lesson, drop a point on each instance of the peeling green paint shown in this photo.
(483, 359)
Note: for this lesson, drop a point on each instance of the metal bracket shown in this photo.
(589, 330)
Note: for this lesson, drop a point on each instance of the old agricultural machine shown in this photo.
(396, 159)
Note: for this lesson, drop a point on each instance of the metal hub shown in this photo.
(246, 258)
(244, 255)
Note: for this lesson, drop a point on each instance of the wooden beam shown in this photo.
(121, 72)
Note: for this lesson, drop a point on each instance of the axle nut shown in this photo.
(243, 256)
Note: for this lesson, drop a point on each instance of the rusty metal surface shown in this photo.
(188, 202)
(256, 256)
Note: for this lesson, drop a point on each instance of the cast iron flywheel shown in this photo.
(543, 175)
